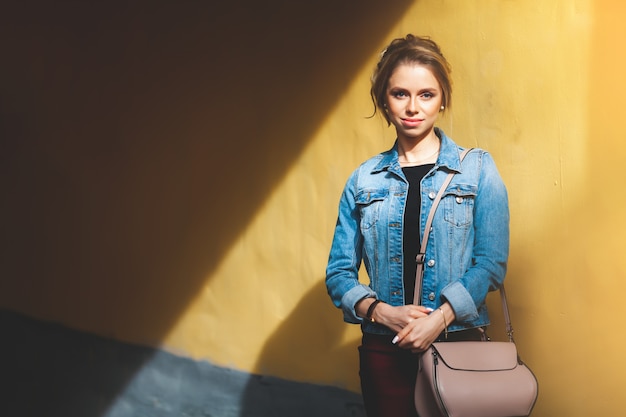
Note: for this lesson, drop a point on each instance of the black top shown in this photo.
(411, 230)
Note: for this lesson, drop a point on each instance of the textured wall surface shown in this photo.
(171, 172)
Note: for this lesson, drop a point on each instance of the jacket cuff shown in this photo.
(351, 298)
(461, 301)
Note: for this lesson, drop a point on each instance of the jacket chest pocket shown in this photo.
(458, 204)
(370, 204)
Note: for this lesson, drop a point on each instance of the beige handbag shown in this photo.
(474, 378)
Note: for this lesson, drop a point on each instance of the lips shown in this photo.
(412, 122)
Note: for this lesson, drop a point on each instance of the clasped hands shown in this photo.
(416, 326)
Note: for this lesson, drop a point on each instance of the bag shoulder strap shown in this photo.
(417, 295)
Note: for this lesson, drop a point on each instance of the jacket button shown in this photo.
(431, 296)
(432, 195)
(431, 262)
(459, 200)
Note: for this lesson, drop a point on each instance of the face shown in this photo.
(413, 101)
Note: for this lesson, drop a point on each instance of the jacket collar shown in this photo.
(449, 156)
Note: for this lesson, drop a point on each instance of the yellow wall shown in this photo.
(190, 203)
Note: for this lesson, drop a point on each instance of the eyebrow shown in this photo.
(423, 90)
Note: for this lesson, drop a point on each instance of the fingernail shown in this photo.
(395, 340)
(430, 309)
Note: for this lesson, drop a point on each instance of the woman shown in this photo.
(384, 206)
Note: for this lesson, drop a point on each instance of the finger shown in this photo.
(400, 336)
(416, 314)
(404, 332)
(420, 311)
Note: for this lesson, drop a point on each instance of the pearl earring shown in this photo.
(442, 107)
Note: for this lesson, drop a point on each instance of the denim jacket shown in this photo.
(468, 246)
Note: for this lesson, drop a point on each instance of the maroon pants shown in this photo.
(388, 374)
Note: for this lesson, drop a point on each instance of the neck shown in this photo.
(419, 151)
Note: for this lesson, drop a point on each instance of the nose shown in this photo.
(412, 106)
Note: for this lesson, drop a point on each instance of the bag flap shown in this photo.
(477, 356)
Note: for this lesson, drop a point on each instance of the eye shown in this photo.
(398, 94)
(427, 95)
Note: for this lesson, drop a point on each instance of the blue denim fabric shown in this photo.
(468, 246)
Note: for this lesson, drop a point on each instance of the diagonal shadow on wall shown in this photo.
(300, 359)
(137, 139)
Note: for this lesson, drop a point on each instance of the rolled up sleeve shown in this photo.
(342, 271)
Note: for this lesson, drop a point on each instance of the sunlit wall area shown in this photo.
(171, 177)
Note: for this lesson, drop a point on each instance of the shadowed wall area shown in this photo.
(139, 138)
